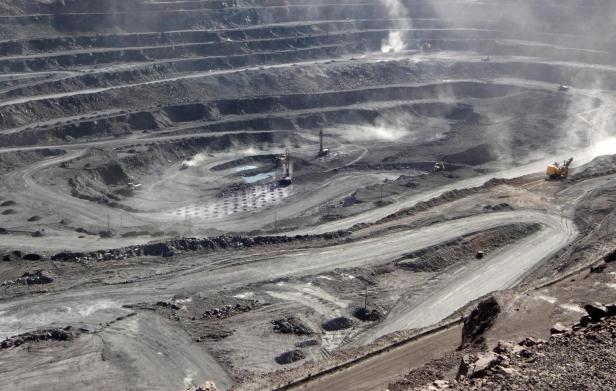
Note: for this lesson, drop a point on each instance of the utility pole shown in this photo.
(108, 224)
(321, 142)
(366, 299)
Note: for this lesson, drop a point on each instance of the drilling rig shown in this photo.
(285, 158)
(322, 151)
(559, 171)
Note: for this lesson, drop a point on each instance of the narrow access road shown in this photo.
(376, 372)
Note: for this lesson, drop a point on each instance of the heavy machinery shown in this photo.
(559, 171)
(285, 158)
(563, 88)
(439, 166)
(322, 151)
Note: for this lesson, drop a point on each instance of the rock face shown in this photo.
(479, 321)
(596, 311)
(291, 325)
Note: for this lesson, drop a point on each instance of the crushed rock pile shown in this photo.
(578, 358)
(291, 325)
(37, 277)
(64, 334)
(290, 357)
(207, 386)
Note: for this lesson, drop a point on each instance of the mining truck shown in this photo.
(559, 171)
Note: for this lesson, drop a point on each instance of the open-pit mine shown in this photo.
(289, 194)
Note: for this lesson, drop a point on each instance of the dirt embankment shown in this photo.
(441, 200)
(14, 160)
(173, 247)
(437, 258)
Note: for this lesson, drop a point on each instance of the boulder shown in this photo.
(611, 257)
(596, 311)
(558, 329)
(476, 367)
(529, 342)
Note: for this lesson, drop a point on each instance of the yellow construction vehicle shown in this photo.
(559, 171)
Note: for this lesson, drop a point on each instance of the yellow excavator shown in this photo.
(559, 171)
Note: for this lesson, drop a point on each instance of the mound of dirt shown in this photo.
(307, 343)
(337, 324)
(479, 321)
(31, 278)
(290, 357)
(32, 257)
(366, 315)
(291, 325)
(64, 334)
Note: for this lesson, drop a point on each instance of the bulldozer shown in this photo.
(559, 171)
(563, 88)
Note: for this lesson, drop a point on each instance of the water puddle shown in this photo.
(258, 177)
(243, 168)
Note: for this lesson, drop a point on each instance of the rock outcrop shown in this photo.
(479, 321)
